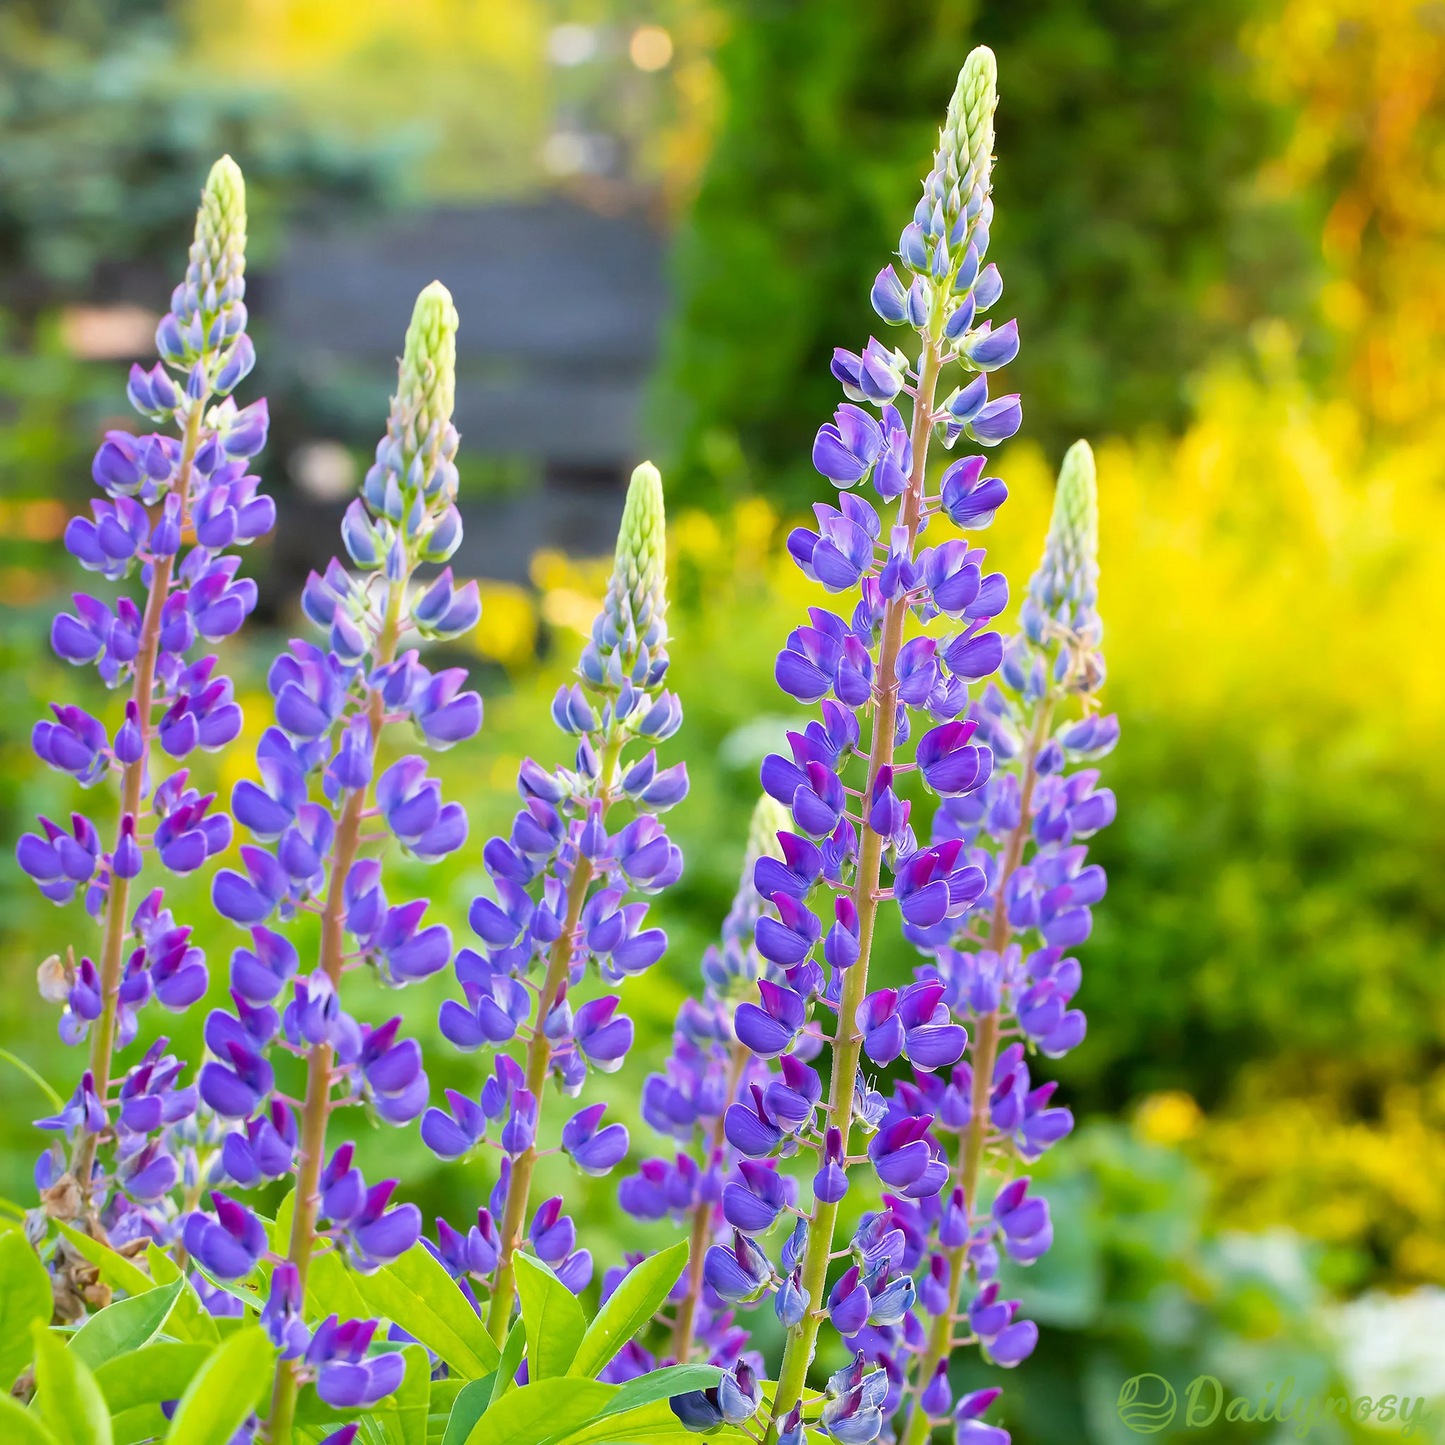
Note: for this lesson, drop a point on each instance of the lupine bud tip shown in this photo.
(426, 385)
(641, 564)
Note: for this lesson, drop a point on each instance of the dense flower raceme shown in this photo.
(172, 507)
(925, 1140)
(321, 816)
(559, 911)
(707, 1185)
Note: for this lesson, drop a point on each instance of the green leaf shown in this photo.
(639, 1412)
(554, 1320)
(25, 1299)
(540, 1411)
(512, 1352)
(56, 1102)
(468, 1407)
(139, 1425)
(280, 1230)
(663, 1384)
(70, 1400)
(405, 1417)
(115, 1269)
(331, 1289)
(146, 1376)
(632, 1304)
(18, 1426)
(419, 1295)
(125, 1325)
(190, 1320)
(224, 1390)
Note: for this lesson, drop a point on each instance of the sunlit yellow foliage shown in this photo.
(1355, 1185)
(507, 632)
(1368, 79)
(469, 75)
(1168, 1118)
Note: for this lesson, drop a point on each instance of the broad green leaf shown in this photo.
(512, 1352)
(554, 1320)
(468, 1407)
(541, 1411)
(70, 1400)
(444, 1394)
(158, 1372)
(164, 1270)
(18, 1426)
(632, 1304)
(280, 1229)
(663, 1385)
(224, 1390)
(331, 1289)
(405, 1418)
(190, 1320)
(139, 1424)
(25, 1299)
(125, 1325)
(420, 1296)
(115, 1269)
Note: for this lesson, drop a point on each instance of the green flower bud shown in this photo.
(770, 818)
(629, 636)
(639, 572)
(1074, 527)
(965, 144)
(217, 262)
(421, 411)
(1065, 589)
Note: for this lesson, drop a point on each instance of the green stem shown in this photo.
(539, 1055)
(984, 1055)
(802, 1338)
(117, 907)
(317, 1109)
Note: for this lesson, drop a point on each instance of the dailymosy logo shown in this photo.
(1148, 1404)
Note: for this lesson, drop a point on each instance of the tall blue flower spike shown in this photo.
(1003, 868)
(322, 818)
(559, 913)
(174, 508)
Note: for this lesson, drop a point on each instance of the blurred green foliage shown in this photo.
(1132, 239)
(107, 131)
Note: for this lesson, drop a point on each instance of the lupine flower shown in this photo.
(189, 595)
(228, 1245)
(347, 1377)
(850, 827)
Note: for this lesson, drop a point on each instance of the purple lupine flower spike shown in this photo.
(177, 586)
(561, 890)
(1005, 858)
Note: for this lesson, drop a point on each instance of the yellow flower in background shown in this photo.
(507, 631)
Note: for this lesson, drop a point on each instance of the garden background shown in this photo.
(1222, 229)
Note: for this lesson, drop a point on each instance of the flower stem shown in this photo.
(102, 1038)
(798, 1352)
(984, 1057)
(539, 1055)
(312, 1152)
